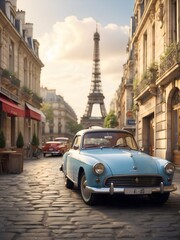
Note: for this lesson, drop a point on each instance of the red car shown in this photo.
(64, 140)
(54, 148)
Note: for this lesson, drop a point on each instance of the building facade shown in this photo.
(60, 115)
(20, 70)
(123, 103)
(156, 59)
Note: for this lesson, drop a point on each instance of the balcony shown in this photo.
(36, 99)
(9, 80)
(169, 64)
(9, 85)
(147, 85)
(161, 74)
(30, 97)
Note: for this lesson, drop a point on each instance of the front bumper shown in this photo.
(133, 191)
(53, 152)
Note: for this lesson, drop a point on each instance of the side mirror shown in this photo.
(76, 147)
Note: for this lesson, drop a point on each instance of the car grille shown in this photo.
(134, 181)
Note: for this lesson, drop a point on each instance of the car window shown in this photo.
(131, 143)
(76, 142)
(61, 140)
(108, 139)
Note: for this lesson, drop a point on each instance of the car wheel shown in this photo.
(44, 154)
(68, 183)
(159, 198)
(88, 197)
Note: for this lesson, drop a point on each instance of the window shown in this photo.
(51, 128)
(142, 8)
(108, 139)
(11, 56)
(174, 20)
(153, 43)
(25, 72)
(76, 142)
(30, 76)
(145, 51)
(12, 17)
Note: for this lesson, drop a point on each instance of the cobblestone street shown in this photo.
(35, 205)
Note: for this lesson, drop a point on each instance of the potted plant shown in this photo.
(35, 141)
(2, 140)
(17, 157)
(20, 141)
(20, 144)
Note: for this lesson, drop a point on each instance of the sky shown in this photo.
(65, 29)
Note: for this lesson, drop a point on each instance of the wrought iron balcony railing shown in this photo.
(170, 58)
(12, 79)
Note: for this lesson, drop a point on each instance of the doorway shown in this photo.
(148, 134)
(176, 127)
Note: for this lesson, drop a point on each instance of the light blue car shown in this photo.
(108, 161)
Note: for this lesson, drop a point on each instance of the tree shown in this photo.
(111, 120)
(74, 127)
(48, 112)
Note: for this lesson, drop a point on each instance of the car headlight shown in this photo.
(169, 168)
(98, 168)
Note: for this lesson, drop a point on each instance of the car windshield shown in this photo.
(61, 140)
(109, 140)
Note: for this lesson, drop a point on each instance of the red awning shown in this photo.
(11, 108)
(32, 112)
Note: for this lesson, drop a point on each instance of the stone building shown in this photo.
(122, 103)
(62, 114)
(20, 69)
(156, 58)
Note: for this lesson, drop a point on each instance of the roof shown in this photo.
(89, 130)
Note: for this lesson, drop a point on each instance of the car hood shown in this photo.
(122, 161)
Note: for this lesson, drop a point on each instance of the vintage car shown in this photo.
(64, 140)
(108, 161)
(54, 148)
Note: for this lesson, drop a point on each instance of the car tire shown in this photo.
(68, 183)
(159, 198)
(44, 154)
(88, 197)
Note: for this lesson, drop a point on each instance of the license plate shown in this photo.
(134, 191)
(51, 149)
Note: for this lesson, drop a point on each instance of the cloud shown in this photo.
(67, 53)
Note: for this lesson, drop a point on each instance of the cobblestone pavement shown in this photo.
(35, 205)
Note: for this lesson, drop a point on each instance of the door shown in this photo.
(148, 134)
(176, 127)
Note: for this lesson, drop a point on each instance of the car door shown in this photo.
(72, 159)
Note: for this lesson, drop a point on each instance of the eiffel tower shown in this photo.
(96, 95)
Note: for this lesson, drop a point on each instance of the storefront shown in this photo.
(11, 116)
